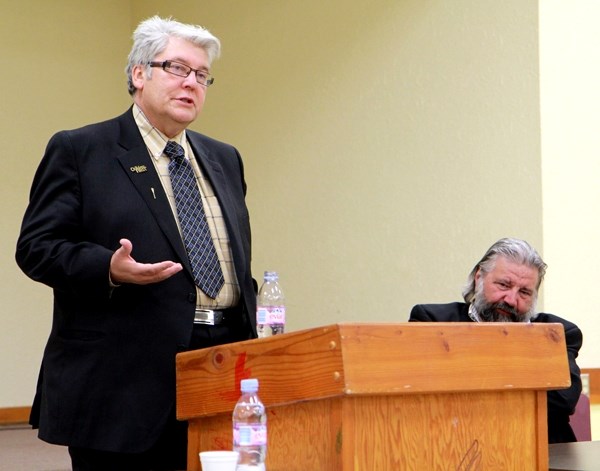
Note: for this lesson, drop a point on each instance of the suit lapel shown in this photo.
(137, 164)
(214, 172)
(464, 313)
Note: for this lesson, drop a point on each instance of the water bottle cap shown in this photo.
(271, 276)
(249, 385)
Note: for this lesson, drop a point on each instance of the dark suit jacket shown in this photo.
(108, 373)
(561, 403)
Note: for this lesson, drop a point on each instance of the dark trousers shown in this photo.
(169, 453)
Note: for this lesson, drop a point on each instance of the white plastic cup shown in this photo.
(219, 460)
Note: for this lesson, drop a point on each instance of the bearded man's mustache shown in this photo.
(491, 313)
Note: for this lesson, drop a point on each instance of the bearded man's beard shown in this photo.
(491, 312)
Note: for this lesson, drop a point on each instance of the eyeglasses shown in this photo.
(182, 70)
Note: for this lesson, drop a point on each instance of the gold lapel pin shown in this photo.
(139, 168)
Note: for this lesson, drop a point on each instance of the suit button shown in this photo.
(192, 298)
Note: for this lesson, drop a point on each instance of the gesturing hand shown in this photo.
(124, 269)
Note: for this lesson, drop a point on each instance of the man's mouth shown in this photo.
(507, 311)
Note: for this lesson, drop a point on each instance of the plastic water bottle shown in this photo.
(270, 312)
(250, 428)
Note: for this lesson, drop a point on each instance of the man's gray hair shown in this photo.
(515, 250)
(151, 37)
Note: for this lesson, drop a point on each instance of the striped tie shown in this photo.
(196, 234)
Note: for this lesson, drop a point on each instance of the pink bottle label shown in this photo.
(250, 435)
(270, 315)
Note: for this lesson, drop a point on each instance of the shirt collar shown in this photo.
(154, 139)
(473, 314)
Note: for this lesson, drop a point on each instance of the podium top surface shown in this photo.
(374, 359)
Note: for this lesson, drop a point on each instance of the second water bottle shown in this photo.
(270, 312)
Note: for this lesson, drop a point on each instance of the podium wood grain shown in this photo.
(384, 396)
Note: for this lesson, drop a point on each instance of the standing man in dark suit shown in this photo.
(503, 287)
(105, 228)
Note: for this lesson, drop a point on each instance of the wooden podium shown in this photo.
(377, 397)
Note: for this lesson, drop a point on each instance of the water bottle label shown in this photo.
(250, 435)
(269, 315)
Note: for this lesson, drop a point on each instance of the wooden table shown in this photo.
(577, 456)
(384, 397)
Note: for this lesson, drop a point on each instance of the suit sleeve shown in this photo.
(52, 246)
(420, 314)
(566, 399)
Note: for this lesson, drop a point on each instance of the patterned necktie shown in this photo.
(196, 234)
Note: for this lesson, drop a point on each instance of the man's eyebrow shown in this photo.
(503, 280)
(183, 61)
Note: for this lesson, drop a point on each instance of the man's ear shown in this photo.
(138, 76)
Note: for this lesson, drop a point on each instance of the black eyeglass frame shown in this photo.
(165, 64)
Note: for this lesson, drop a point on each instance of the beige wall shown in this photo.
(387, 143)
(62, 65)
(570, 103)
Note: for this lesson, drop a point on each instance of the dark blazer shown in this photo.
(561, 403)
(107, 380)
